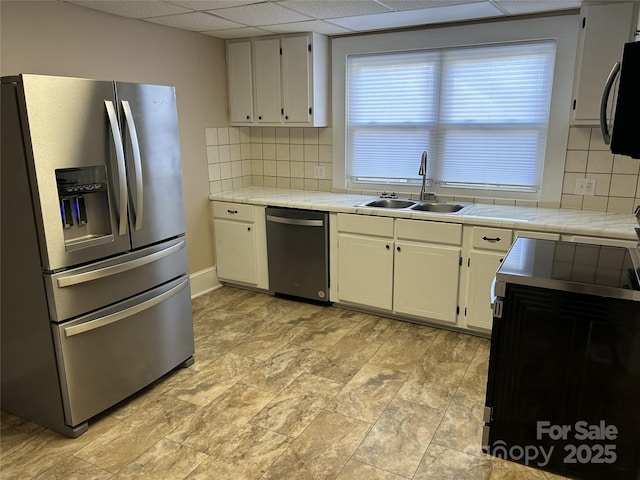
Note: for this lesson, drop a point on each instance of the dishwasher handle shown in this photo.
(296, 221)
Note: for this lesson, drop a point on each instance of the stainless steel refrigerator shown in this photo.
(95, 292)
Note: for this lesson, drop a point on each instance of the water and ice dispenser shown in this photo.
(84, 206)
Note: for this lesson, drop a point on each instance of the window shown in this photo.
(480, 112)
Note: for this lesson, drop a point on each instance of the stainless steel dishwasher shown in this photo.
(298, 252)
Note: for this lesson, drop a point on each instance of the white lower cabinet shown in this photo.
(419, 269)
(365, 270)
(241, 244)
(484, 250)
(395, 267)
(482, 270)
(426, 281)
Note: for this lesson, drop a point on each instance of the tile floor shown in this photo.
(284, 390)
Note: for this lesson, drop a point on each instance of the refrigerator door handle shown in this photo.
(122, 267)
(135, 146)
(122, 180)
(114, 317)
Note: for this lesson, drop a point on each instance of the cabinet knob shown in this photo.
(248, 117)
(398, 248)
(387, 247)
(248, 229)
(259, 117)
(286, 117)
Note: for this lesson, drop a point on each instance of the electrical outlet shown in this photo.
(318, 171)
(585, 186)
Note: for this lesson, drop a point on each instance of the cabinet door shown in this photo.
(605, 30)
(482, 271)
(296, 76)
(426, 281)
(240, 75)
(236, 251)
(267, 70)
(365, 270)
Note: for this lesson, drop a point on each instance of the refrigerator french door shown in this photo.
(95, 291)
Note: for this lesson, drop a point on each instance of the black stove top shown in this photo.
(595, 269)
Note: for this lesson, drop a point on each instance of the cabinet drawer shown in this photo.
(365, 225)
(432, 232)
(234, 211)
(497, 239)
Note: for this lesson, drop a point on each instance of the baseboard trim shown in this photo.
(204, 281)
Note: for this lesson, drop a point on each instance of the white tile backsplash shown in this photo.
(223, 136)
(624, 164)
(623, 185)
(213, 155)
(617, 186)
(576, 161)
(599, 161)
(211, 136)
(286, 157)
(225, 153)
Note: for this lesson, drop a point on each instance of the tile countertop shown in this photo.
(576, 222)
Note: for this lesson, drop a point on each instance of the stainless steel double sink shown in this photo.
(418, 205)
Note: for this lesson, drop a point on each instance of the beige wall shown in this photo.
(57, 38)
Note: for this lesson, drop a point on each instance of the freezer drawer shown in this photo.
(81, 290)
(108, 355)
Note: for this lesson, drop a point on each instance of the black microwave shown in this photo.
(625, 135)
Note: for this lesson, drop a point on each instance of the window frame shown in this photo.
(562, 28)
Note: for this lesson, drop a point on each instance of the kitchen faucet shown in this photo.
(424, 195)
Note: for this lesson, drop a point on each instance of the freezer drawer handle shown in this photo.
(135, 146)
(122, 180)
(114, 317)
(296, 221)
(115, 269)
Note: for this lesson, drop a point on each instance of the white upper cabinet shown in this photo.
(605, 29)
(267, 80)
(287, 83)
(296, 80)
(240, 74)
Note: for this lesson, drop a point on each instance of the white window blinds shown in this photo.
(391, 114)
(480, 112)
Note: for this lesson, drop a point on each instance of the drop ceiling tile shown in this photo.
(261, 14)
(203, 5)
(195, 21)
(419, 4)
(334, 8)
(427, 16)
(238, 33)
(519, 7)
(317, 26)
(132, 8)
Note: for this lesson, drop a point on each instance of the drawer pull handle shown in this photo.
(232, 212)
(488, 239)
